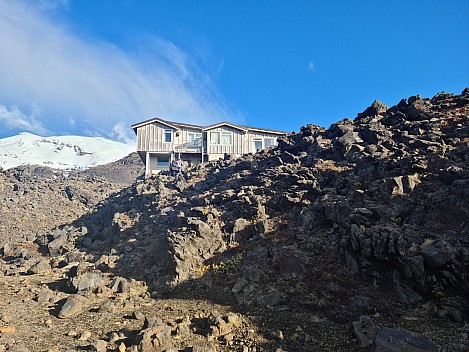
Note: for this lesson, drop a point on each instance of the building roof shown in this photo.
(178, 125)
(264, 130)
(155, 119)
(225, 123)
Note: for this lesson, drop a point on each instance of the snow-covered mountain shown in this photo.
(61, 152)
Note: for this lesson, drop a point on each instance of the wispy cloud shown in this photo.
(311, 66)
(120, 133)
(95, 84)
(13, 118)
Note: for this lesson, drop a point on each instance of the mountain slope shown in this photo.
(368, 217)
(301, 247)
(61, 152)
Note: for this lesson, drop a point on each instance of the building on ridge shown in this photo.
(160, 141)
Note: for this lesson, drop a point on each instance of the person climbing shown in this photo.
(173, 168)
(179, 165)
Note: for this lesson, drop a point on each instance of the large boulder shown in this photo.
(376, 108)
(401, 340)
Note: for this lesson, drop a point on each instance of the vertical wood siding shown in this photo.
(150, 138)
(238, 142)
(251, 135)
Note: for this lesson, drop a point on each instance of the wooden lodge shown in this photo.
(160, 141)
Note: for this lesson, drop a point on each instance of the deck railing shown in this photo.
(195, 146)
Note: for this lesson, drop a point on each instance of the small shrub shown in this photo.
(229, 266)
(427, 242)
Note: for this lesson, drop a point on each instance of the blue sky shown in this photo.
(91, 67)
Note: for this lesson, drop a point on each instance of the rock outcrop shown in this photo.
(368, 218)
(387, 189)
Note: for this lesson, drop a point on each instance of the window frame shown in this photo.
(254, 140)
(165, 162)
(226, 133)
(196, 136)
(171, 133)
(198, 139)
(269, 138)
(219, 137)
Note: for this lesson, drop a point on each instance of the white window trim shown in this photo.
(254, 140)
(226, 133)
(197, 139)
(196, 135)
(210, 137)
(262, 140)
(274, 142)
(221, 133)
(164, 136)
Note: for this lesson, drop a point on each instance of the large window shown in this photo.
(223, 138)
(163, 160)
(258, 145)
(195, 138)
(268, 142)
(168, 136)
(214, 137)
(261, 143)
(227, 138)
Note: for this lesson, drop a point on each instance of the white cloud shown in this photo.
(94, 84)
(311, 66)
(13, 118)
(121, 132)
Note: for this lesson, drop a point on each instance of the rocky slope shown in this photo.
(348, 238)
(36, 198)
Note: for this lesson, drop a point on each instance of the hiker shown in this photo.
(178, 169)
(173, 168)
